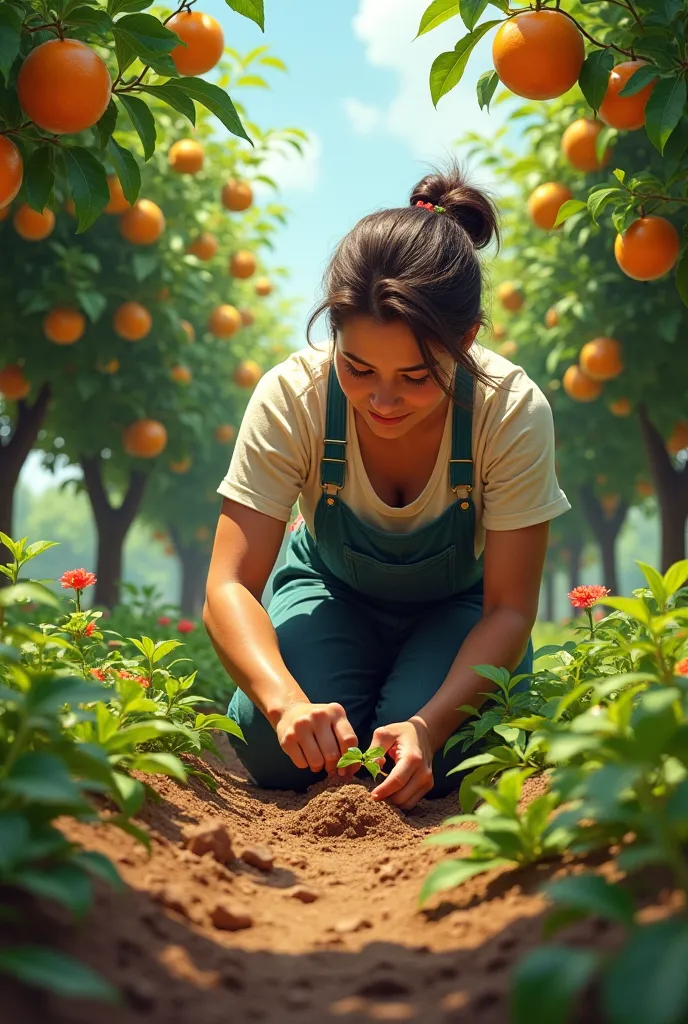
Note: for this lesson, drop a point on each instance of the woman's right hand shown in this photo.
(315, 735)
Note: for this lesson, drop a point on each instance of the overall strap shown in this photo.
(461, 462)
(333, 464)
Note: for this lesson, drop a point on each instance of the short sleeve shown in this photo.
(520, 485)
(271, 457)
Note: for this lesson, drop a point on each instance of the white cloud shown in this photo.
(363, 117)
(293, 172)
(387, 29)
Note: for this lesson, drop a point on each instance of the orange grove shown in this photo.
(621, 407)
(64, 86)
(601, 359)
(143, 223)
(181, 374)
(32, 225)
(13, 384)
(538, 54)
(236, 195)
(204, 247)
(63, 325)
(186, 156)
(144, 438)
(132, 321)
(545, 202)
(578, 144)
(247, 374)
(510, 296)
(224, 321)
(263, 286)
(579, 387)
(243, 264)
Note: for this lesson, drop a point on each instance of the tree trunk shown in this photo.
(112, 525)
(605, 529)
(14, 453)
(671, 486)
(194, 575)
(548, 595)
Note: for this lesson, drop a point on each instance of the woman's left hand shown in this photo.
(408, 744)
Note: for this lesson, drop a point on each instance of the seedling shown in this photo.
(369, 759)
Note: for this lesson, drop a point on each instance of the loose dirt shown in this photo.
(283, 907)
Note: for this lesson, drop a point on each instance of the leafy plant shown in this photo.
(368, 759)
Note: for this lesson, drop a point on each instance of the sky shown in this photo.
(357, 83)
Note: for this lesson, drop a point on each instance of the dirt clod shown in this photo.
(347, 811)
(174, 897)
(351, 924)
(211, 836)
(260, 857)
(302, 893)
(229, 917)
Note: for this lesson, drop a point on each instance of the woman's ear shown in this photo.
(470, 336)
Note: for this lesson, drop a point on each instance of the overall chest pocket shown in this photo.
(431, 579)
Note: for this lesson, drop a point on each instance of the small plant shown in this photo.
(369, 759)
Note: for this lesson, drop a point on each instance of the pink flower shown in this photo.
(185, 626)
(77, 579)
(164, 620)
(90, 629)
(98, 673)
(681, 667)
(587, 595)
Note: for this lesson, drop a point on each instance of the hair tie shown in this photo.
(430, 206)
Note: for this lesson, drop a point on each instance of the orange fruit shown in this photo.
(644, 488)
(247, 374)
(580, 387)
(204, 247)
(510, 296)
(132, 321)
(70, 207)
(648, 249)
(538, 54)
(237, 195)
(31, 225)
(181, 466)
(186, 156)
(11, 171)
(247, 317)
(610, 503)
(181, 374)
(679, 438)
(600, 359)
(243, 264)
(143, 223)
(620, 407)
(224, 321)
(13, 383)
(508, 349)
(144, 438)
(117, 203)
(552, 317)
(64, 326)
(64, 86)
(578, 145)
(545, 202)
(112, 366)
(263, 286)
(225, 433)
(188, 330)
(624, 112)
(202, 533)
(204, 41)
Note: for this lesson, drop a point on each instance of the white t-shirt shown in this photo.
(276, 458)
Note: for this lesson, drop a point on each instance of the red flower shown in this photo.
(141, 680)
(185, 626)
(90, 629)
(98, 673)
(77, 579)
(164, 620)
(586, 596)
(681, 667)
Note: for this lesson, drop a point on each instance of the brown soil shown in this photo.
(331, 932)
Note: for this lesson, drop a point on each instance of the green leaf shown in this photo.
(107, 124)
(42, 777)
(98, 865)
(160, 764)
(92, 303)
(14, 836)
(602, 197)
(28, 592)
(145, 35)
(682, 278)
(10, 37)
(252, 9)
(645, 74)
(451, 873)
(88, 184)
(468, 797)
(547, 651)
(165, 647)
(129, 793)
(142, 120)
(594, 76)
(436, 14)
(633, 606)
(675, 147)
(174, 98)
(647, 982)
(448, 68)
(116, 7)
(471, 12)
(675, 576)
(568, 209)
(126, 169)
(546, 982)
(654, 581)
(66, 884)
(495, 675)
(96, 20)
(46, 968)
(487, 83)
(49, 694)
(351, 757)
(591, 894)
(664, 110)
(213, 98)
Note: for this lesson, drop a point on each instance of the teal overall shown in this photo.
(369, 619)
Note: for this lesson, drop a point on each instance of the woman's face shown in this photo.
(383, 376)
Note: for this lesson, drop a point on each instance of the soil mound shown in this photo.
(347, 811)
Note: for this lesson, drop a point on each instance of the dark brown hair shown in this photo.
(417, 266)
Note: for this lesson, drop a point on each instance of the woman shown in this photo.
(423, 467)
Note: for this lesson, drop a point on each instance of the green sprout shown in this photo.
(355, 755)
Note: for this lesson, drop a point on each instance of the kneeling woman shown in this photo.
(423, 467)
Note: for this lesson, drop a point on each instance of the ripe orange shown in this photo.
(11, 171)
(143, 223)
(247, 317)
(225, 433)
(552, 317)
(499, 332)
(545, 202)
(247, 374)
(117, 202)
(580, 387)
(648, 249)
(224, 321)
(64, 326)
(510, 296)
(204, 40)
(144, 438)
(188, 330)
(70, 207)
(624, 112)
(181, 466)
(679, 438)
(538, 54)
(181, 374)
(263, 286)
(13, 383)
(64, 86)
(132, 321)
(620, 407)
(600, 359)
(644, 488)
(112, 366)
(578, 145)
(186, 156)
(243, 264)
(204, 247)
(237, 195)
(31, 225)
(508, 349)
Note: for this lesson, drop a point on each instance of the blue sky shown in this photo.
(357, 83)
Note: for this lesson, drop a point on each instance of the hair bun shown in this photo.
(467, 205)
